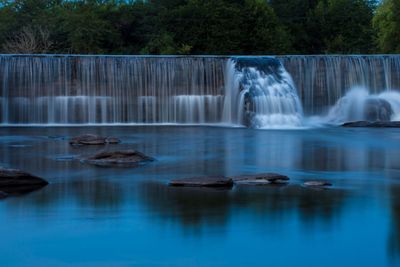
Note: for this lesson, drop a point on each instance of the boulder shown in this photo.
(207, 181)
(317, 184)
(377, 109)
(376, 124)
(15, 181)
(91, 139)
(128, 158)
(261, 179)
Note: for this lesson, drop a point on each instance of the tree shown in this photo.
(296, 16)
(387, 25)
(29, 41)
(328, 26)
(226, 27)
(83, 27)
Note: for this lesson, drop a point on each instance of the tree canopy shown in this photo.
(199, 26)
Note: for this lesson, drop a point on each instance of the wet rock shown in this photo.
(128, 158)
(15, 181)
(377, 109)
(261, 179)
(317, 184)
(376, 124)
(207, 181)
(91, 139)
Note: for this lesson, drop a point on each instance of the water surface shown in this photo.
(93, 216)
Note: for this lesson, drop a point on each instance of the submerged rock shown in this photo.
(15, 181)
(376, 124)
(91, 139)
(261, 179)
(317, 184)
(206, 181)
(128, 158)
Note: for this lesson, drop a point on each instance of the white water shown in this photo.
(355, 104)
(259, 99)
(252, 91)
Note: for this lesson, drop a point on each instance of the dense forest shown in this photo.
(200, 26)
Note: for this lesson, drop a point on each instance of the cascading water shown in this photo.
(323, 80)
(359, 105)
(250, 91)
(261, 94)
(110, 89)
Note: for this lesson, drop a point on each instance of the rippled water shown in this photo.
(93, 216)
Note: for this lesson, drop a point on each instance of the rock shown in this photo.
(376, 124)
(129, 158)
(377, 109)
(88, 139)
(207, 181)
(91, 139)
(317, 184)
(16, 181)
(261, 179)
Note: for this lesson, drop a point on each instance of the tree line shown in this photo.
(200, 26)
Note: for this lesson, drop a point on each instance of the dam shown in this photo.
(259, 92)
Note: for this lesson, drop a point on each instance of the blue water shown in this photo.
(94, 216)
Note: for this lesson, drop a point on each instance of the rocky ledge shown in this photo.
(206, 181)
(91, 139)
(17, 182)
(375, 124)
(261, 179)
(127, 158)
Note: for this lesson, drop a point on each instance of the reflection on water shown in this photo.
(130, 210)
(193, 207)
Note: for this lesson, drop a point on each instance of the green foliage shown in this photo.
(328, 26)
(204, 26)
(387, 24)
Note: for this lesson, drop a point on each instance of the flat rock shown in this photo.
(128, 158)
(91, 139)
(317, 184)
(16, 181)
(376, 124)
(261, 179)
(206, 181)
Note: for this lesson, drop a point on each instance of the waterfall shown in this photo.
(261, 94)
(110, 89)
(322, 80)
(359, 105)
(251, 91)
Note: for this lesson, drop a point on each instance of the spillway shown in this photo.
(259, 92)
